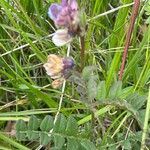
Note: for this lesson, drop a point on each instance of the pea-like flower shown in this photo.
(65, 14)
(58, 68)
(66, 19)
(61, 37)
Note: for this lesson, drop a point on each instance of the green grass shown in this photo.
(25, 89)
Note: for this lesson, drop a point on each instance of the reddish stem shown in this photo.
(135, 10)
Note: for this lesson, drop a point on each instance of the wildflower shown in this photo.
(65, 14)
(58, 68)
(67, 19)
(54, 66)
(61, 37)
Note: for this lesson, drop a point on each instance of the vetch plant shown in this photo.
(91, 109)
(66, 133)
(69, 22)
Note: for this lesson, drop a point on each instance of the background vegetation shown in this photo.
(98, 111)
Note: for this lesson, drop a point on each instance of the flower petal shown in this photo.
(56, 76)
(54, 71)
(68, 63)
(61, 37)
(54, 59)
(57, 83)
(54, 10)
(74, 5)
(47, 67)
(64, 3)
(54, 66)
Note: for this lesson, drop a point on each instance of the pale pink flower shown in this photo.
(61, 37)
(58, 68)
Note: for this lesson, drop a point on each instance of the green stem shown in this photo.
(92, 125)
(82, 54)
(145, 128)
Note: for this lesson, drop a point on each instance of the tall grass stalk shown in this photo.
(146, 119)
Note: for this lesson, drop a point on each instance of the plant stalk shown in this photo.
(135, 10)
(82, 51)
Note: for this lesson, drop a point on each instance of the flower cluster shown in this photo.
(66, 18)
(68, 21)
(58, 68)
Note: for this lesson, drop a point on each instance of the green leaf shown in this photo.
(47, 123)
(101, 91)
(21, 136)
(148, 20)
(60, 124)
(59, 141)
(23, 87)
(147, 8)
(21, 130)
(44, 138)
(92, 87)
(136, 100)
(112, 147)
(21, 125)
(33, 123)
(32, 135)
(126, 145)
(87, 72)
(88, 145)
(72, 126)
(72, 144)
(140, 116)
(115, 90)
(137, 136)
(125, 92)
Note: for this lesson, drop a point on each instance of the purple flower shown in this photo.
(65, 14)
(68, 63)
(68, 20)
